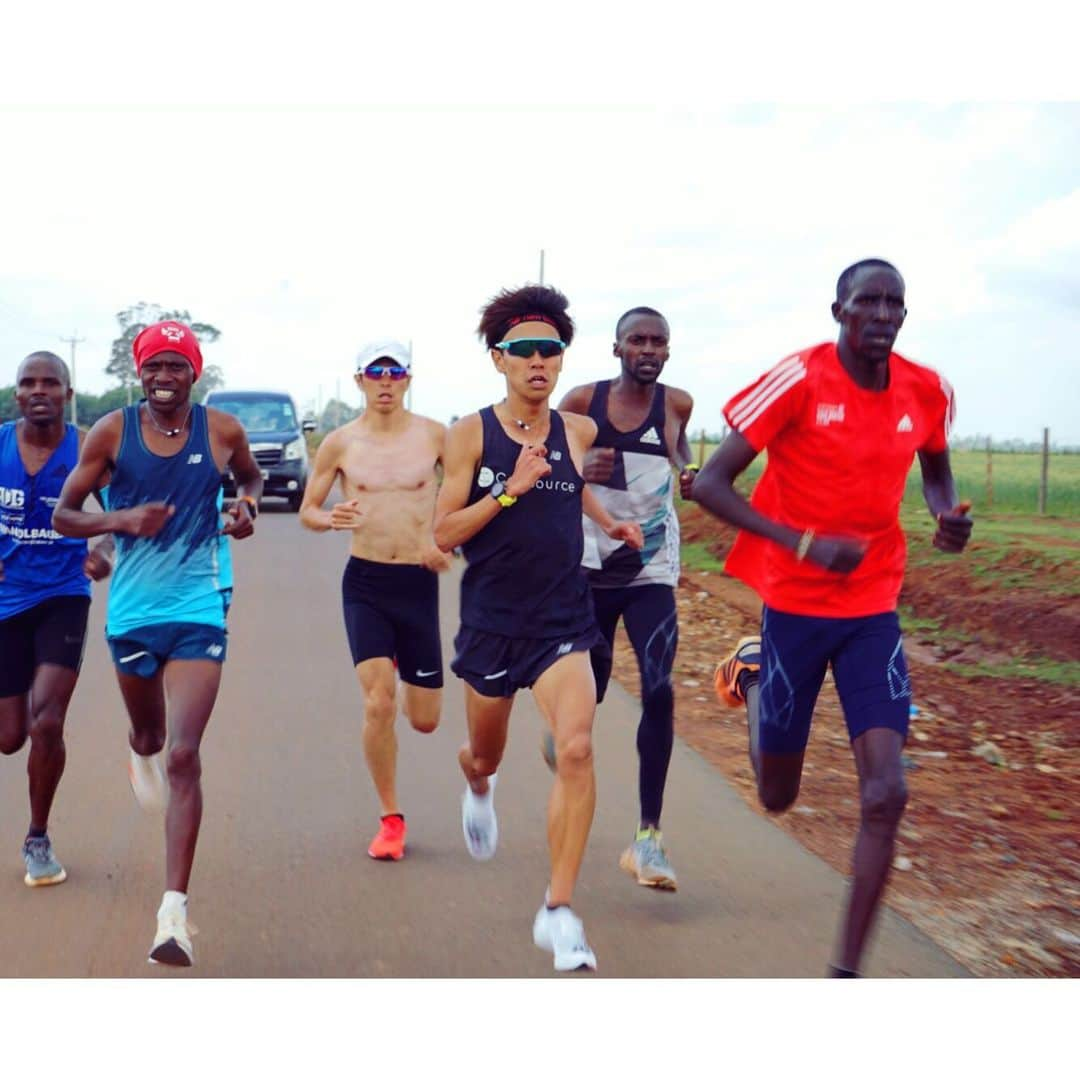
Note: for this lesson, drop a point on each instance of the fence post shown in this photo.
(989, 472)
(1045, 470)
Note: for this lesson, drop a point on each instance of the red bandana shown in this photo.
(167, 337)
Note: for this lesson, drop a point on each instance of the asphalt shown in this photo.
(282, 885)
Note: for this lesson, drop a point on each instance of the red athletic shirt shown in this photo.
(838, 461)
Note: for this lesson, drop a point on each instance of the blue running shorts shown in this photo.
(867, 659)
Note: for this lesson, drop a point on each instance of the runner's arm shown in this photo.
(683, 405)
(714, 489)
(939, 490)
(95, 460)
(246, 471)
(627, 531)
(455, 522)
(319, 485)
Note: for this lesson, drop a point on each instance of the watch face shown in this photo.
(497, 489)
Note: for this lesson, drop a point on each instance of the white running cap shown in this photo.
(384, 347)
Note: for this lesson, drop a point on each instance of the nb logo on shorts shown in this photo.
(194, 459)
(214, 650)
(565, 647)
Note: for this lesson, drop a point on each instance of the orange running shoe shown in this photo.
(746, 656)
(389, 842)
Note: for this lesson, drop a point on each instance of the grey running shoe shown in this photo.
(42, 867)
(645, 860)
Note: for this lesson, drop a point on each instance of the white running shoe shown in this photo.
(148, 782)
(478, 822)
(562, 933)
(172, 943)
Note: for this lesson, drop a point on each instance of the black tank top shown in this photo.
(524, 577)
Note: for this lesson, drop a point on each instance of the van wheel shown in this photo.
(295, 501)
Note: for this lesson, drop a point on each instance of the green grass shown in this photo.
(1059, 672)
(1014, 487)
(696, 556)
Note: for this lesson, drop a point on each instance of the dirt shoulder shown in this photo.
(988, 860)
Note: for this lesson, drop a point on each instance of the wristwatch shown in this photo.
(252, 505)
(498, 493)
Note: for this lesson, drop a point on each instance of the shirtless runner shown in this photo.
(386, 461)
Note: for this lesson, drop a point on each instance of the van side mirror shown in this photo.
(308, 426)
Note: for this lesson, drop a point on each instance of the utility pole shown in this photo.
(541, 266)
(73, 341)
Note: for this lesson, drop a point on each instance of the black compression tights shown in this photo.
(651, 622)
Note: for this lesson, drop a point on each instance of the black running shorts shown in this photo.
(52, 632)
(392, 610)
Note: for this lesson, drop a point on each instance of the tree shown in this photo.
(212, 378)
(133, 321)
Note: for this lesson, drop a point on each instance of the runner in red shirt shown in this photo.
(820, 541)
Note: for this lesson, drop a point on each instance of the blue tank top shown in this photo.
(39, 563)
(176, 575)
(641, 488)
(524, 577)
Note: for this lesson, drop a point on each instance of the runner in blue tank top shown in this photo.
(44, 594)
(166, 616)
(641, 434)
(512, 498)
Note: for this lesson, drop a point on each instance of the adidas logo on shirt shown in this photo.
(650, 437)
(905, 424)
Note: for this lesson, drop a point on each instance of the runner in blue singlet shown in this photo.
(167, 605)
(512, 498)
(44, 594)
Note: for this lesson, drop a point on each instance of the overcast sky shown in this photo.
(303, 232)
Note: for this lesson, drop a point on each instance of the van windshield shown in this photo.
(259, 414)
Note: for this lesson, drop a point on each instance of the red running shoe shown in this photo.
(389, 842)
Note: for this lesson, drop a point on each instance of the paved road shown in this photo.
(283, 887)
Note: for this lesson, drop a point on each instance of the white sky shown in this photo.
(302, 232)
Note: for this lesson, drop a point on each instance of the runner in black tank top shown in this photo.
(641, 433)
(512, 498)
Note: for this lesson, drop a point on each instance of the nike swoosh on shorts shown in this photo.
(133, 656)
(425, 674)
(497, 674)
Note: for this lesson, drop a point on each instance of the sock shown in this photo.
(842, 973)
(400, 816)
(555, 907)
(746, 679)
(35, 834)
(644, 831)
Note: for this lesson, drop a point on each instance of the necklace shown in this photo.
(169, 433)
(520, 423)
